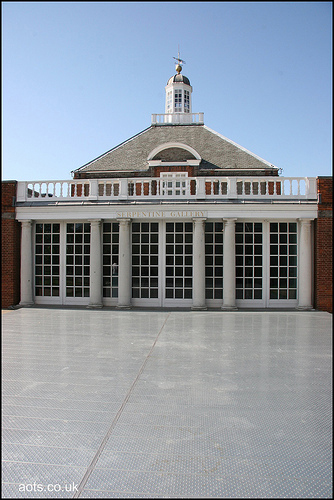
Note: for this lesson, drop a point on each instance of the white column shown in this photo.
(26, 264)
(229, 265)
(199, 264)
(305, 265)
(124, 265)
(95, 264)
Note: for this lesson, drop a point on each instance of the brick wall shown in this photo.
(323, 252)
(10, 244)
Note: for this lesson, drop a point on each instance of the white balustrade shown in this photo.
(169, 187)
(169, 118)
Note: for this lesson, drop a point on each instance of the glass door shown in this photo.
(145, 263)
(177, 281)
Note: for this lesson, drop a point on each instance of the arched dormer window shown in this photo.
(173, 157)
(172, 152)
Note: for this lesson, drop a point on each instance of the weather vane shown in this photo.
(178, 67)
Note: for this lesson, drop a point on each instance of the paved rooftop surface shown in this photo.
(170, 404)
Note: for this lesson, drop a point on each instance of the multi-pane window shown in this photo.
(214, 260)
(178, 101)
(77, 259)
(175, 184)
(248, 260)
(145, 260)
(169, 102)
(179, 260)
(47, 260)
(186, 101)
(110, 259)
(283, 260)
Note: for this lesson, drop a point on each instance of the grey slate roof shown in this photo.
(178, 79)
(216, 151)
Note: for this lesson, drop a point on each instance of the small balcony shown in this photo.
(171, 188)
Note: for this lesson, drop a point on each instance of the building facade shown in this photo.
(176, 216)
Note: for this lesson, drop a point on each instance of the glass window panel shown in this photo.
(292, 283)
(283, 249)
(293, 261)
(273, 271)
(283, 260)
(239, 260)
(283, 283)
(292, 249)
(273, 283)
(292, 271)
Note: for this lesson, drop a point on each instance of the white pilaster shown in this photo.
(229, 265)
(95, 264)
(305, 265)
(26, 264)
(124, 265)
(199, 264)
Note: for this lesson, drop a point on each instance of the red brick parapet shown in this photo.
(10, 245)
(323, 243)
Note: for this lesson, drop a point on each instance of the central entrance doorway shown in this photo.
(162, 263)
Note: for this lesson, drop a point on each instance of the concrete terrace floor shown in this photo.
(170, 404)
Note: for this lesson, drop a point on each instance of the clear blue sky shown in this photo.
(78, 78)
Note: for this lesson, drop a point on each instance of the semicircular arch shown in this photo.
(169, 145)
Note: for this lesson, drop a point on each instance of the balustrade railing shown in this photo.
(167, 188)
(184, 118)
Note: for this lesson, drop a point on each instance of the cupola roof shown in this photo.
(178, 79)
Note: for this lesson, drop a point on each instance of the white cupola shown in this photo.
(178, 92)
(178, 109)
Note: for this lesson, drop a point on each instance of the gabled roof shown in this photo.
(215, 151)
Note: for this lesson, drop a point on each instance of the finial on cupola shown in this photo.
(178, 67)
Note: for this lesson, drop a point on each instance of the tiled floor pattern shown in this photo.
(158, 404)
